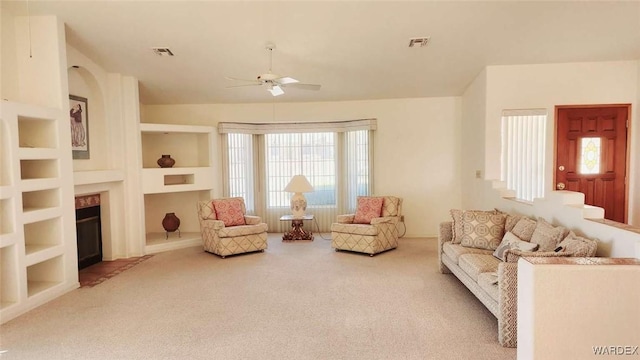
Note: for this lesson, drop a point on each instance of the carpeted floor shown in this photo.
(298, 300)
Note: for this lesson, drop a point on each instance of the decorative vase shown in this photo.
(170, 222)
(166, 161)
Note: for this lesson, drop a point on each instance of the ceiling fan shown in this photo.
(273, 82)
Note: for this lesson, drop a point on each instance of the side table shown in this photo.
(297, 232)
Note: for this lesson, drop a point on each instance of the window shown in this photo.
(261, 159)
(523, 147)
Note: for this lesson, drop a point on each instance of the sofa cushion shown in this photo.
(456, 228)
(368, 208)
(547, 235)
(578, 246)
(524, 228)
(230, 211)
(511, 241)
(511, 221)
(488, 281)
(476, 264)
(482, 229)
(453, 251)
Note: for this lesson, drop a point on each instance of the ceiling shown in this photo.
(355, 49)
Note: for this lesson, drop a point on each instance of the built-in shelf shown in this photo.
(44, 275)
(47, 233)
(39, 184)
(39, 253)
(37, 154)
(7, 216)
(39, 169)
(37, 132)
(8, 276)
(166, 180)
(40, 199)
(97, 177)
(158, 242)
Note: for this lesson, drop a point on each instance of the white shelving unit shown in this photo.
(175, 189)
(37, 232)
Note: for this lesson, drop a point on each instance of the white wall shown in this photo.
(545, 86)
(417, 145)
(472, 135)
(8, 58)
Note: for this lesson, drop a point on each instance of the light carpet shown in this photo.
(297, 300)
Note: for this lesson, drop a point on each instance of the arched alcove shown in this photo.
(83, 83)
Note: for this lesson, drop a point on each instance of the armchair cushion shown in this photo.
(368, 208)
(346, 218)
(252, 220)
(230, 211)
(356, 229)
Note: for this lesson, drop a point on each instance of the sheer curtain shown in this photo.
(523, 151)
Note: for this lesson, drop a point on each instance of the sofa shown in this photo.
(482, 248)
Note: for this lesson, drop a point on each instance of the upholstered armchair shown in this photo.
(227, 229)
(372, 229)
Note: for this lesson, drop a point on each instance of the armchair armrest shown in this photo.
(346, 219)
(252, 220)
(213, 224)
(513, 255)
(385, 219)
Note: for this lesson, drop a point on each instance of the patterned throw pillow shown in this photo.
(368, 208)
(511, 241)
(511, 221)
(547, 235)
(579, 246)
(456, 216)
(482, 229)
(229, 211)
(524, 228)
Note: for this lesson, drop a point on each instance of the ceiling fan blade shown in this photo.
(276, 90)
(235, 86)
(285, 80)
(304, 86)
(237, 79)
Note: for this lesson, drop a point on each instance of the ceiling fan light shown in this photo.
(275, 90)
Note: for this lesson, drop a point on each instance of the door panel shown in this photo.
(591, 152)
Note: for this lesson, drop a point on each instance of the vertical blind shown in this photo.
(259, 166)
(523, 152)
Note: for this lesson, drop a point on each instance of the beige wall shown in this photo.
(8, 59)
(417, 144)
(545, 86)
(474, 105)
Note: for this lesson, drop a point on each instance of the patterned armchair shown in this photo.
(227, 230)
(378, 235)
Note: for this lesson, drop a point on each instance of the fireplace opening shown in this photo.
(88, 233)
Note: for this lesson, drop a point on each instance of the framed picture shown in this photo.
(79, 119)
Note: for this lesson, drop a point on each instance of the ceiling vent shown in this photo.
(162, 51)
(419, 42)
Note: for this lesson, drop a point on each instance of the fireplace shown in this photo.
(88, 230)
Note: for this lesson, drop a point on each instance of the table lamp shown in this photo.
(298, 185)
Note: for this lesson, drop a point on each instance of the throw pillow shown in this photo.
(482, 229)
(547, 235)
(524, 228)
(229, 211)
(368, 208)
(511, 241)
(456, 216)
(579, 246)
(511, 221)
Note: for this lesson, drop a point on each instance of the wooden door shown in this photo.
(591, 155)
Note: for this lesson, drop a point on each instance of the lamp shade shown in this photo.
(299, 184)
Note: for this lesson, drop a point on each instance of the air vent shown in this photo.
(162, 51)
(419, 42)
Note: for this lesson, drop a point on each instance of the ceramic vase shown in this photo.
(171, 222)
(166, 161)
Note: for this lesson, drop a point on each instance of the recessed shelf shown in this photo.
(187, 149)
(42, 235)
(41, 199)
(38, 169)
(44, 275)
(6, 216)
(37, 133)
(9, 294)
(157, 241)
(178, 179)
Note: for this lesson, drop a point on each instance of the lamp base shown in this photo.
(298, 205)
